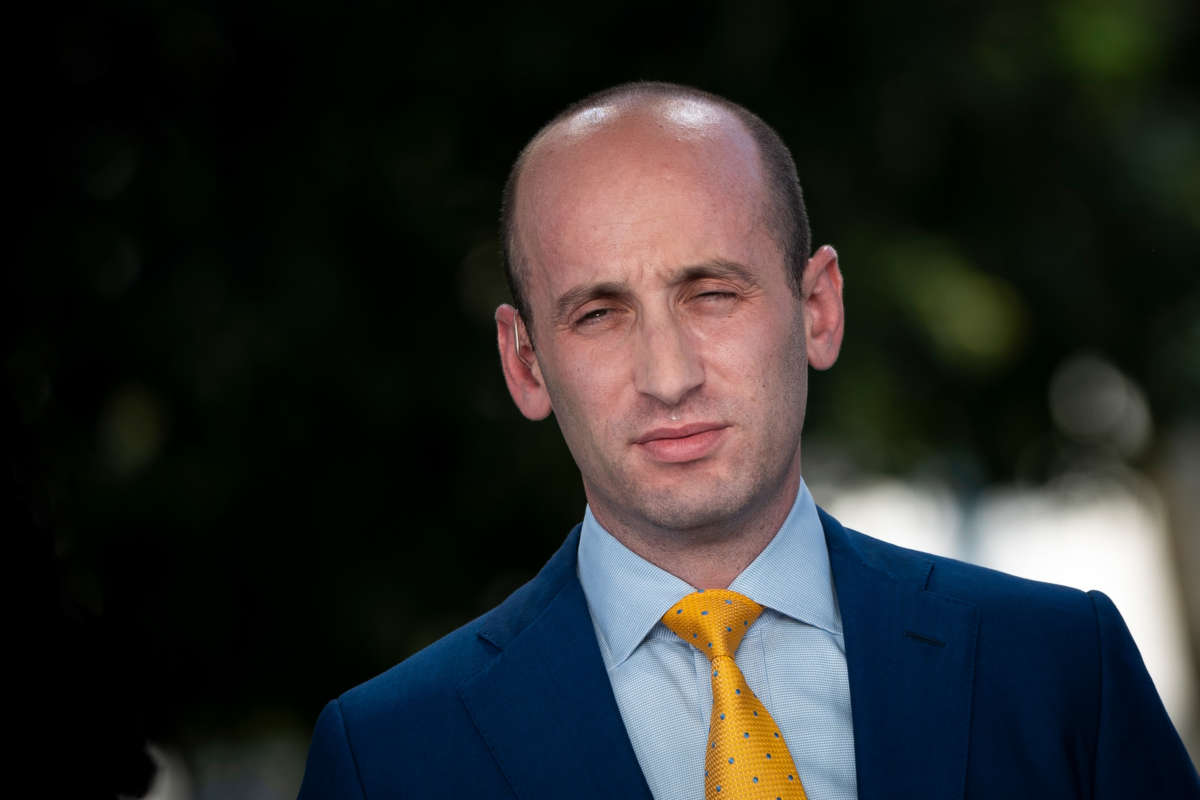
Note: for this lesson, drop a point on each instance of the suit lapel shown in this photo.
(910, 655)
(545, 705)
(546, 709)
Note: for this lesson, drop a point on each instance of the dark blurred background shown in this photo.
(256, 427)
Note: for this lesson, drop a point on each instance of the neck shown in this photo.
(708, 556)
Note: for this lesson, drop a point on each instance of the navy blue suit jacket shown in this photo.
(964, 682)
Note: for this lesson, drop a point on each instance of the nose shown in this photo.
(667, 366)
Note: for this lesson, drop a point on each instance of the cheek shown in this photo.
(589, 376)
(739, 347)
(585, 392)
(764, 363)
(596, 363)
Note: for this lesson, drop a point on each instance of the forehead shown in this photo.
(612, 189)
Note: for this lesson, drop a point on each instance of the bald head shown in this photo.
(634, 136)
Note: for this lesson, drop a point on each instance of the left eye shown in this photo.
(593, 317)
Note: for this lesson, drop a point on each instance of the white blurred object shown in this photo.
(171, 778)
(1105, 538)
(1090, 534)
(265, 767)
(1094, 402)
(920, 517)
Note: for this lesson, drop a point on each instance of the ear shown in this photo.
(824, 315)
(522, 372)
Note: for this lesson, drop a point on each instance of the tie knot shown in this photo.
(713, 621)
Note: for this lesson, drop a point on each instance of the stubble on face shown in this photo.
(698, 504)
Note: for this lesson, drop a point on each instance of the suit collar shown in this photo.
(910, 656)
(627, 595)
(791, 575)
(546, 708)
(544, 704)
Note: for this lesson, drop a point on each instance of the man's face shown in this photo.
(668, 337)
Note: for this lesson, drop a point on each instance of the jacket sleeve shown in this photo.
(1138, 752)
(331, 771)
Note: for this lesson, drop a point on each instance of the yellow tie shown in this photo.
(746, 756)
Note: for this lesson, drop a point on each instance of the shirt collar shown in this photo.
(627, 595)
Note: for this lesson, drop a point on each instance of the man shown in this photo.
(667, 311)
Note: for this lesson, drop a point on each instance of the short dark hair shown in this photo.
(786, 213)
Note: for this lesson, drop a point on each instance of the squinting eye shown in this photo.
(594, 315)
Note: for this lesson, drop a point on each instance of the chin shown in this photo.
(711, 501)
(692, 510)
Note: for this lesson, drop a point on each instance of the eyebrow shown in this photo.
(716, 268)
(611, 290)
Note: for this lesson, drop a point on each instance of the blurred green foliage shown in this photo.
(250, 320)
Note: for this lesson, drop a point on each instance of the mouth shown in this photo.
(681, 444)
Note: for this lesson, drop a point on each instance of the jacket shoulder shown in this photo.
(430, 678)
(401, 718)
(431, 672)
(989, 589)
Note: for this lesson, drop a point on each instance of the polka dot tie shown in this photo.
(746, 756)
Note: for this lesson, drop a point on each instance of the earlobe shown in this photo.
(522, 372)
(824, 314)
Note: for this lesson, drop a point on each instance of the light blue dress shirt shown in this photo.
(793, 657)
